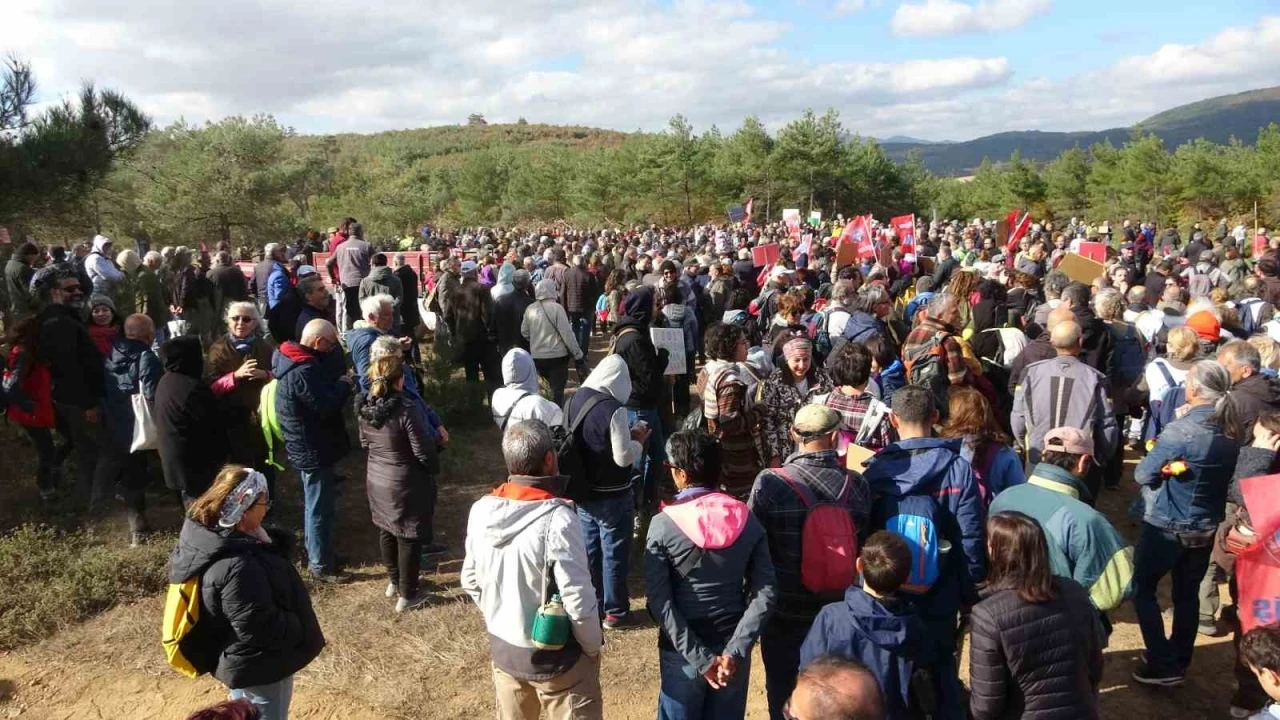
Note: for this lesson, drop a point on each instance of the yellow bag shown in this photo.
(181, 613)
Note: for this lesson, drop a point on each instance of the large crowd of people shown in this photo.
(855, 459)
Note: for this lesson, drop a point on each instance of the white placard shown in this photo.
(673, 340)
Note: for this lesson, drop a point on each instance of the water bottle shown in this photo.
(551, 625)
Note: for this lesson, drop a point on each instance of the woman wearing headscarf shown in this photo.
(238, 366)
(189, 424)
(794, 382)
(518, 399)
(401, 480)
(263, 628)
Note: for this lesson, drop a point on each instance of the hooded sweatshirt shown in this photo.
(698, 552)
(519, 399)
(504, 284)
(189, 423)
(102, 270)
(645, 363)
(884, 634)
(547, 327)
(519, 540)
(933, 467)
(604, 434)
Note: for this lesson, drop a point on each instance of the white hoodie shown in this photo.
(546, 325)
(100, 268)
(511, 546)
(519, 396)
(611, 376)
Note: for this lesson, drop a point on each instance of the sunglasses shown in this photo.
(241, 318)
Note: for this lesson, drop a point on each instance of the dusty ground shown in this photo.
(433, 663)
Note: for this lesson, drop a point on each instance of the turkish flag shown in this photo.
(905, 227)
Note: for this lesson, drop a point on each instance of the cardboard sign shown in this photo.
(927, 265)
(765, 255)
(1081, 269)
(673, 340)
(846, 254)
(1095, 251)
(856, 457)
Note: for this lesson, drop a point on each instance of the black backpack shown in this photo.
(570, 457)
(927, 366)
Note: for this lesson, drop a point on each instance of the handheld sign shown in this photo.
(765, 255)
(673, 340)
(1095, 251)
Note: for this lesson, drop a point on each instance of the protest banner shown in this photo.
(747, 209)
(815, 218)
(905, 227)
(737, 214)
(765, 255)
(1095, 251)
(673, 340)
(791, 217)
(1081, 269)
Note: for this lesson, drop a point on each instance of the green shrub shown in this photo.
(52, 579)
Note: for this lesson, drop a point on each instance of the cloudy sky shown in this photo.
(934, 69)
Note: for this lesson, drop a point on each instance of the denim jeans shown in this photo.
(685, 694)
(607, 527)
(581, 324)
(271, 700)
(644, 475)
(780, 650)
(318, 508)
(1160, 553)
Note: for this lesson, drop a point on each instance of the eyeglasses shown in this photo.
(241, 318)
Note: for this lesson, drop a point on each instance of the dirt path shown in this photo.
(434, 663)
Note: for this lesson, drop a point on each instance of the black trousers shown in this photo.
(351, 299)
(116, 464)
(403, 559)
(556, 372)
(47, 467)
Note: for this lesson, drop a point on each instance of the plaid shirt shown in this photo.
(852, 409)
(782, 512)
(921, 335)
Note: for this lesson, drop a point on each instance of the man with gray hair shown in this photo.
(270, 279)
(1063, 391)
(1252, 393)
(1054, 282)
(521, 539)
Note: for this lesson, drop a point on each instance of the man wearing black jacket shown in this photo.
(578, 295)
(645, 365)
(1098, 346)
(76, 368)
(508, 313)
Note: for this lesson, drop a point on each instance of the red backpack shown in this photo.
(29, 387)
(828, 540)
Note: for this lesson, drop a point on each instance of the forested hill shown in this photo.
(450, 144)
(1217, 119)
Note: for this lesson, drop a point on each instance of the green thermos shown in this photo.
(551, 625)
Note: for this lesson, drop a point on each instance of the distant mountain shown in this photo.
(1217, 119)
(898, 139)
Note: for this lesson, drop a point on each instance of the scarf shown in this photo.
(242, 345)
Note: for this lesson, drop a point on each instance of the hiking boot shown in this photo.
(413, 603)
(1208, 627)
(329, 577)
(391, 590)
(1146, 676)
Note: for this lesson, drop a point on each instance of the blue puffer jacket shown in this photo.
(360, 343)
(1194, 500)
(309, 404)
(933, 467)
(129, 364)
(884, 635)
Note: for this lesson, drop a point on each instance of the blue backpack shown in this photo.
(1129, 356)
(1249, 315)
(1162, 408)
(915, 519)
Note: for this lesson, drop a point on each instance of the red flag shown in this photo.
(747, 208)
(905, 227)
(858, 232)
(1017, 230)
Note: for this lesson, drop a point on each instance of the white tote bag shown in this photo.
(145, 436)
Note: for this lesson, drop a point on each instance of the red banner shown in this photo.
(858, 233)
(905, 227)
(1016, 230)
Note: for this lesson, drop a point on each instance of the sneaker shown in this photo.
(413, 603)
(1145, 676)
(613, 622)
(391, 590)
(1207, 627)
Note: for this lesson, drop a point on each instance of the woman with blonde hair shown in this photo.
(1183, 349)
(258, 626)
(401, 479)
(1268, 351)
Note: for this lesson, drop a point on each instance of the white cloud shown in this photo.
(351, 65)
(937, 18)
(848, 7)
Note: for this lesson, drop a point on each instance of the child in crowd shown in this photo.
(1260, 650)
(876, 627)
